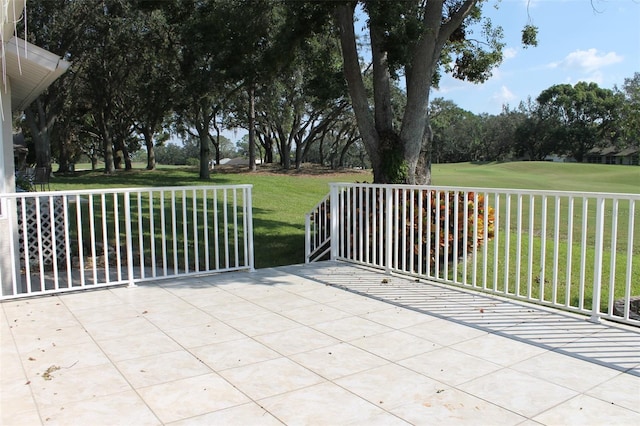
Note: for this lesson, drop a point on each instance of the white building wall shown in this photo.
(8, 219)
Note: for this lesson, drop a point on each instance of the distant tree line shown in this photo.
(563, 120)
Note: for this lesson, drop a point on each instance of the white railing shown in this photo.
(318, 232)
(575, 251)
(71, 240)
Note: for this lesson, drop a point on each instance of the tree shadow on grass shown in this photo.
(139, 178)
(276, 243)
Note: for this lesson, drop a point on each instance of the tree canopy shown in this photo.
(303, 81)
(584, 114)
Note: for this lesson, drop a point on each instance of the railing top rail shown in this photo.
(122, 190)
(615, 195)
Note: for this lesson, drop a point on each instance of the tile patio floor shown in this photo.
(292, 346)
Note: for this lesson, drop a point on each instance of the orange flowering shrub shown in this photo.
(447, 226)
(442, 225)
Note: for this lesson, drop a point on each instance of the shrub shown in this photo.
(450, 225)
(193, 162)
(437, 229)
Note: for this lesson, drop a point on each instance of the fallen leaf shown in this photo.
(47, 374)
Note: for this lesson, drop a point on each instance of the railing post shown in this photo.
(127, 232)
(307, 238)
(598, 259)
(334, 208)
(249, 204)
(388, 253)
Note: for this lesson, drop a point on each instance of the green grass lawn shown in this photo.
(280, 200)
(540, 175)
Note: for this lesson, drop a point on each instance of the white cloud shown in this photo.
(504, 96)
(510, 52)
(587, 60)
(595, 77)
(445, 89)
(497, 74)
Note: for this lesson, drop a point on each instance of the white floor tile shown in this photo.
(622, 390)
(204, 334)
(262, 324)
(518, 392)
(498, 349)
(270, 378)
(309, 353)
(351, 328)
(585, 410)
(138, 346)
(250, 414)
(161, 368)
(444, 332)
(395, 345)
(296, 340)
(450, 366)
(561, 369)
(322, 404)
(191, 397)
(235, 353)
(124, 408)
(453, 407)
(338, 360)
(390, 386)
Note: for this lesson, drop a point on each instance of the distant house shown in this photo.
(610, 155)
(628, 157)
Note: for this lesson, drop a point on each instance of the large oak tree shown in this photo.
(417, 40)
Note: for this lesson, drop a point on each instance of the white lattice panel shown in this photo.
(42, 240)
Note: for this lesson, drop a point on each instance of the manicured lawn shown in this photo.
(280, 200)
(540, 175)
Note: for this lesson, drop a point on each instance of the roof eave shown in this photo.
(31, 70)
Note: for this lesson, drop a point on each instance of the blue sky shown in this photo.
(578, 40)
